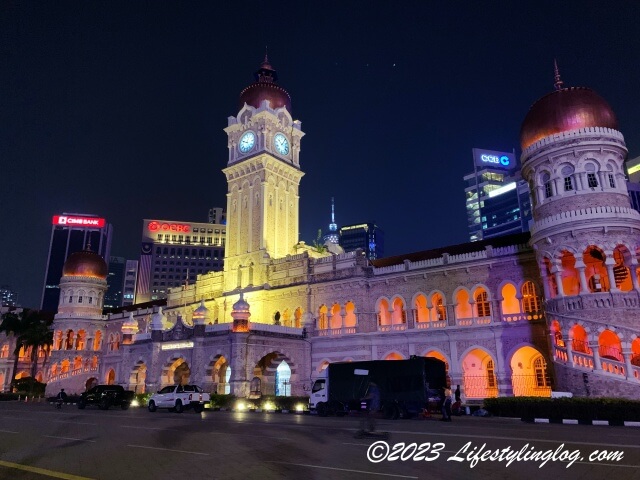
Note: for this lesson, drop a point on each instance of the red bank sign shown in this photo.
(168, 227)
(73, 221)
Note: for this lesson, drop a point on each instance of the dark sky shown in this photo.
(117, 108)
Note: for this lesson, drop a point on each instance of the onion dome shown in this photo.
(130, 326)
(200, 314)
(157, 320)
(85, 264)
(241, 305)
(563, 110)
(266, 88)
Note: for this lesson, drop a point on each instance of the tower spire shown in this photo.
(558, 82)
(332, 226)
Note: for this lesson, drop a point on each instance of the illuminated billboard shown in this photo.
(159, 226)
(78, 221)
(493, 159)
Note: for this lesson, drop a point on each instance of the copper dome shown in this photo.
(85, 264)
(266, 88)
(563, 110)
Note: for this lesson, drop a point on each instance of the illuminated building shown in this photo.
(173, 253)
(70, 233)
(487, 308)
(115, 282)
(333, 235)
(497, 199)
(8, 298)
(130, 281)
(365, 236)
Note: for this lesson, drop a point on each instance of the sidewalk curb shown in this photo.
(571, 421)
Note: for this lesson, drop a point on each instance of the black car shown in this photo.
(105, 396)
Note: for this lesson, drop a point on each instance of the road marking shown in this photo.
(167, 449)
(42, 471)
(75, 423)
(247, 435)
(342, 469)
(557, 440)
(70, 438)
(142, 428)
(8, 431)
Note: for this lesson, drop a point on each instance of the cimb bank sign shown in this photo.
(493, 159)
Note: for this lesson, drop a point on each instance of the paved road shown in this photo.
(135, 444)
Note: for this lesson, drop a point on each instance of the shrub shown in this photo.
(580, 408)
(28, 385)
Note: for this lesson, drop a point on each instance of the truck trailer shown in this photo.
(406, 386)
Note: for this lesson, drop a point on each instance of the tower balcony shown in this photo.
(596, 300)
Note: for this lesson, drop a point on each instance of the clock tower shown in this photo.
(263, 176)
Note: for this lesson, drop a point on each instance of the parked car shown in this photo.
(177, 398)
(105, 396)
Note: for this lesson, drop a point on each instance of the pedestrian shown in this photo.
(457, 394)
(373, 407)
(61, 398)
(446, 405)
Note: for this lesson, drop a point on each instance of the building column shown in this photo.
(545, 281)
(634, 273)
(584, 287)
(496, 311)
(595, 351)
(556, 270)
(569, 345)
(412, 319)
(610, 263)
(627, 353)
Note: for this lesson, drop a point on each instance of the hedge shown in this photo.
(578, 408)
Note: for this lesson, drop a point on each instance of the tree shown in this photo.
(320, 247)
(30, 329)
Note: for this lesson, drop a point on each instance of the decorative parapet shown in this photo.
(447, 259)
(601, 213)
(552, 139)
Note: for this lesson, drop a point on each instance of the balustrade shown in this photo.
(427, 325)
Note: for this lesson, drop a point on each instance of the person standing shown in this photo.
(373, 403)
(446, 405)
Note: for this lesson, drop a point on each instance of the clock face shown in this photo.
(281, 143)
(247, 141)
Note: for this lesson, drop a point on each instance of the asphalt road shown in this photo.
(93, 444)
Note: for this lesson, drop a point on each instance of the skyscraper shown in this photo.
(366, 236)
(115, 283)
(72, 232)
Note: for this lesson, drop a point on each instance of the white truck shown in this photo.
(177, 398)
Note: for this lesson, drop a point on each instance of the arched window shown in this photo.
(546, 182)
(580, 341)
(336, 318)
(491, 375)
(399, 315)
(542, 375)
(567, 174)
(323, 322)
(592, 178)
(438, 309)
(350, 319)
(530, 301)
(384, 316)
(557, 334)
(421, 311)
(482, 303)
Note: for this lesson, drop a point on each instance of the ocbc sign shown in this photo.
(502, 160)
(168, 227)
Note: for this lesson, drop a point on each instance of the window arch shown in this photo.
(530, 300)
(567, 175)
(483, 306)
(384, 315)
(580, 341)
(438, 309)
(399, 314)
(350, 319)
(323, 321)
(336, 318)
(421, 310)
(510, 303)
(463, 307)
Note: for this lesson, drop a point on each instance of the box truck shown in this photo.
(406, 386)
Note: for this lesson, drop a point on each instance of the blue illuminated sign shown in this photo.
(490, 158)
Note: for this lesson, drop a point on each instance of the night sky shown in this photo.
(117, 108)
